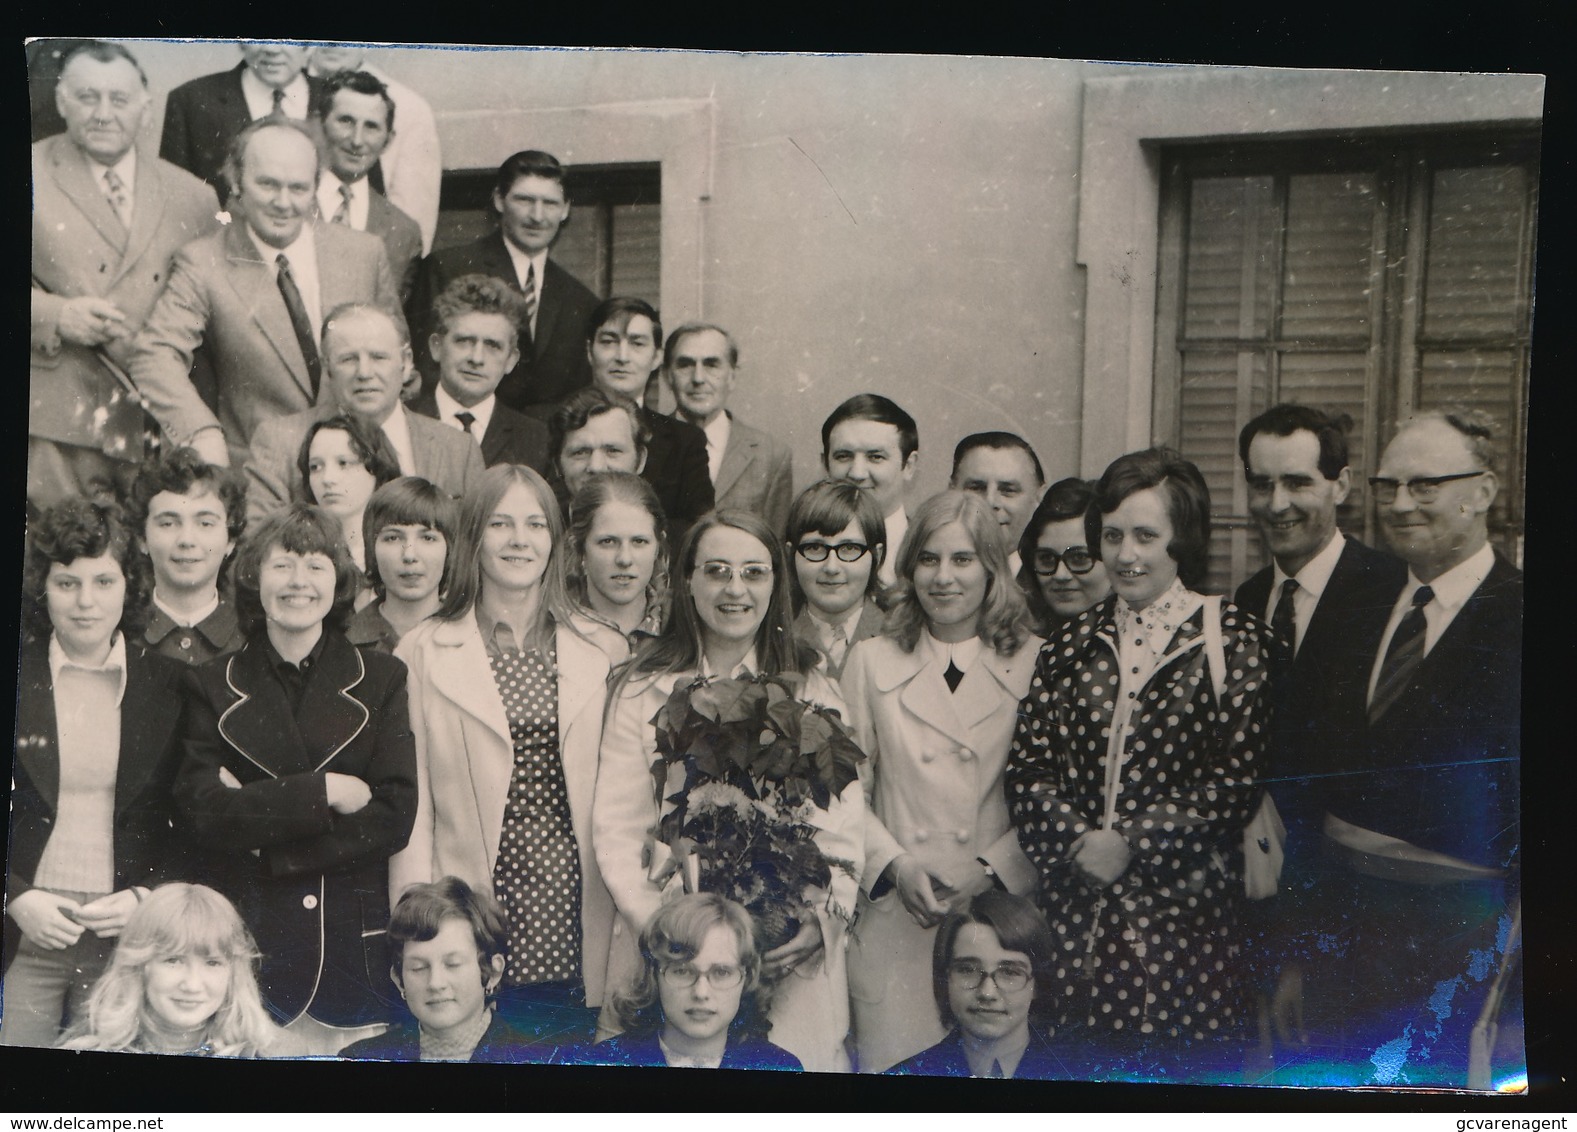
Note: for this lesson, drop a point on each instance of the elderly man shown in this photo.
(532, 207)
(108, 217)
(357, 116)
(1003, 470)
(367, 356)
(874, 444)
(411, 166)
(750, 470)
(202, 117)
(475, 342)
(1423, 810)
(255, 292)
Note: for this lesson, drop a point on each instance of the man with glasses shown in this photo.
(1425, 813)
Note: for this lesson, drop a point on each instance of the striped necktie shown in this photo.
(342, 213)
(115, 190)
(530, 292)
(1402, 658)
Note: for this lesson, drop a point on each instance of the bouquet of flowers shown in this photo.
(746, 765)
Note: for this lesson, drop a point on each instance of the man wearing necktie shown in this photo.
(1426, 817)
(255, 292)
(357, 116)
(108, 216)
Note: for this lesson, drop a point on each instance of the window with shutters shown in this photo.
(1366, 276)
(610, 242)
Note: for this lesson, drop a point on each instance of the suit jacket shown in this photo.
(554, 363)
(81, 248)
(1440, 769)
(642, 1048)
(402, 240)
(757, 474)
(933, 784)
(501, 1043)
(224, 294)
(443, 456)
(202, 117)
(511, 437)
(308, 881)
(1339, 642)
(146, 851)
(677, 470)
(466, 757)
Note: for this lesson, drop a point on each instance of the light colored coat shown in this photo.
(810, 1009)
(465, 757)
(934, 784)
(756, 475)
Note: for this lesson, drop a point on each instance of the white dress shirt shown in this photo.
(836, 636)
(717, 434)
(522, 262)
(303, 257)
(126, 170)
(329, 199)
(260, 96)
(1451, 592)
(897, 527)
(1312, 580)
(398, 429)
(188, 620)
(448, 407)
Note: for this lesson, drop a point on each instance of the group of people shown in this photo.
(340, 726)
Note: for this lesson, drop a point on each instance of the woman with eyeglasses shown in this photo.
(1059, 574)
(835, 540)
(693, 1004)
(932, 703)
(1134, 771)
(730, 620)
(990, 973)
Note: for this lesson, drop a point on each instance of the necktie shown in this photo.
(300, 323)
(466, 421)
(836, 645)
(530, 292)
(342, 213)
(115, 190)
(953, 674)
(279, 104)
(1402, 658)
(1283, 621)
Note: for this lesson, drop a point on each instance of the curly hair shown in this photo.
(478, 294)
(177, 919)
(178, 471)
(82, 528)
(422, 910)
(1003, 622)
(594, 494)
(302, 529)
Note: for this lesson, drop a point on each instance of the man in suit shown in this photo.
(255, 292)
(1327, 596)
(366, 356)
(1426, 817)
(591, 434)
(107, 219)
(623, 340)
(357, 116)
(749, 469)
(202, 117)
(875, 445)
(475, 340)
(1003, 470)
(411, 165)
(531, 205)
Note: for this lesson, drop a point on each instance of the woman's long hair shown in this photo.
(1003, 622)
(176, 919)
(680, 647)
(594, 494)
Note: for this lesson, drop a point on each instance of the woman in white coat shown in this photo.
(507, 688)
(730, 618)
(933, 703)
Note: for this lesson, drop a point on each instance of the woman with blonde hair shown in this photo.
(932, 702)
(182, 981)
(618, 563)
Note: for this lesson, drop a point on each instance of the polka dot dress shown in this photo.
(1156, 952)
(537, 877)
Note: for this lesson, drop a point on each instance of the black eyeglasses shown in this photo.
(818, 551)
(722, 976)
(1423, 489)
(1008, 977)
(1077, 559)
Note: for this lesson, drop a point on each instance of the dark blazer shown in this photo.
(511, 437)
(500, 1042)
(553, 364)
(946, 1059)
(146, 851)
(641, 1048)
(677, 470)
(402, 240)
(203, 116)
(316, 893)
(1440, 768)
(1337, 647)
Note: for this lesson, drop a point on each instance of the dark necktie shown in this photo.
(1283, 622)
(300, 323)
(279, 104)
(342, 213)
(530, 291)
(1402, 658)
(466, 421)
(952, 674)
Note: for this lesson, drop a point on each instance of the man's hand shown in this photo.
(44, 919)
(209, 443)
(107, 915)
(90, 321)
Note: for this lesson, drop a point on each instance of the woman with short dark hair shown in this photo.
(1060, 570)
(1134, 771)
(836, 540)
(342, 461)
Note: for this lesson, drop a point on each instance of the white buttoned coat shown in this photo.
(934, 787)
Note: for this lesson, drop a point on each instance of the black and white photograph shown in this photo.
(933, 567)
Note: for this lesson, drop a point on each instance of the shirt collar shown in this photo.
(746, 668)
(308, 662)
(398, 429)
(1316, 572)
(329, 198)
(448, 407)
(718, 431)
(180, 620)
(1159, 621)
(125, 169)
(686, 1061)
(963, 653)
(1456, 585)
(301, 251)
(848, 624)
(520, 259)
(115, 663)
(260, 96)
